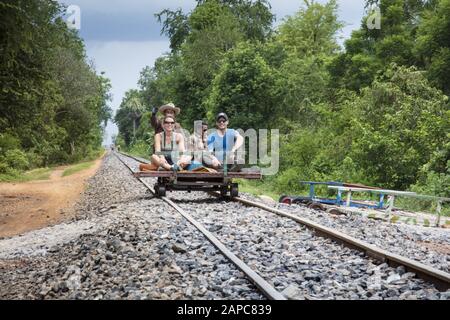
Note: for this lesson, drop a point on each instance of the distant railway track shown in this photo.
(440, 279)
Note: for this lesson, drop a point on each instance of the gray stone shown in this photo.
(445, 295)
(311, 275)
(179, 248)
(292, 292)
(393, 278)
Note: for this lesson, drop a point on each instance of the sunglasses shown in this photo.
(168, 122)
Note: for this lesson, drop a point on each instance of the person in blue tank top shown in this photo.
(223, 143)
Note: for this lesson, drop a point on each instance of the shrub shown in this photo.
(8, 142)
(16, 159)
(141, 148)
(34, 160)
(56, 156)
(4, 167)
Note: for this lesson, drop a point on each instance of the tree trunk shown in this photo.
(134, 129)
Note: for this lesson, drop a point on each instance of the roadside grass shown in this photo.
(77, 167)
(44, 173)
(421, 205)
(141, 149)
(35, 174)
(257, 188)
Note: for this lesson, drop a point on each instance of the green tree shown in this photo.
(309, 40)
(312, 30)
(175, 26)
(254, 17)
(244, 89)
(370, 51)
(400, 122)
(129, 114)
(433, 44)
(52, 101)
(201, 40)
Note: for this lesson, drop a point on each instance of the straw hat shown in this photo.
(168, 107)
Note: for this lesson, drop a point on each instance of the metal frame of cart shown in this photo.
(197, 181)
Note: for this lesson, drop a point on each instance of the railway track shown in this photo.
(440, 279)
(268, 290)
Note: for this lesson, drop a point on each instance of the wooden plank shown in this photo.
(198, 175)
(384, 191)
(356, 185)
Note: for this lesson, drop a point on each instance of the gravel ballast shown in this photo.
(126, 244)
(123, 244)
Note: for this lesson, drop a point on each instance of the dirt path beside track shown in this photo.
(36, 204)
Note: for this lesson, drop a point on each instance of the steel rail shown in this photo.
(439, 278)
(268, 290)
(138, 159)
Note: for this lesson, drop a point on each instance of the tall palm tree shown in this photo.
(136, 108)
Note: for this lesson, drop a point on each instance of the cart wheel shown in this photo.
(336, 212)
(223, 191)
(285, 200)
(160, 190)
(316, 206)
(234, 190)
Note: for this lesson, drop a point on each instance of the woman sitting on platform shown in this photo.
(169, 148)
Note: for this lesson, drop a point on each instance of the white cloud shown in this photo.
(130, 6)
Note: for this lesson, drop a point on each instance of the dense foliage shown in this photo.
(53, 106)
(375, 111)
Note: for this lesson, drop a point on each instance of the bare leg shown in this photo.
(147, 167)
(155, 160)
(184, 161)
(166, 166)
(211, 161)
(160, 161)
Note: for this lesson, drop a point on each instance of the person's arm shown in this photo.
(184, 159)
(210, 141)
(239, 141)
(154, 121)
(214, 161)
(180, 142)
(157, 143)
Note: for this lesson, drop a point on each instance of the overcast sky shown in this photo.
(123, 36)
